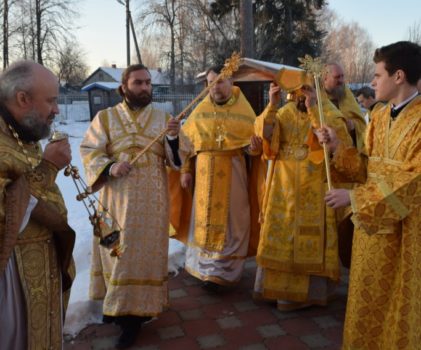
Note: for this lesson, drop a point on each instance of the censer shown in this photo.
(105, 226)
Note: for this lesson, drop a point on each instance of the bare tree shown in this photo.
(352, 47)
(42, 25)
(189, 34)
(9, 26)
(414, 32)
(162, 15)
(70, 64)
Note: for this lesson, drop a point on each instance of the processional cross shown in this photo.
(315, 67)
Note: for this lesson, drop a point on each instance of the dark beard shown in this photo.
(137, 101)
(33, 128)
(301, 105)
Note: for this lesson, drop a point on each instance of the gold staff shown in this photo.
(231, 65)
(315, 67)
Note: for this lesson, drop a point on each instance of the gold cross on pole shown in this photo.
(315, 67)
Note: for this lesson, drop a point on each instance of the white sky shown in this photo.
(102, 32)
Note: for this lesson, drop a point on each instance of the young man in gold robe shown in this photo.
(133, 285)
(221, 129)
(297, 257)
(384, 308)
(36, 243)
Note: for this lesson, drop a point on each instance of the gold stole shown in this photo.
(218, 133)
(212, 193)
(308, 254)
(285, 285)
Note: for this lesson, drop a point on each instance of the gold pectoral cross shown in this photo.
(220, 136)
(220, 139)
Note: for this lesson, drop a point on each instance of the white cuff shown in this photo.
(31, 205)
(109, 171)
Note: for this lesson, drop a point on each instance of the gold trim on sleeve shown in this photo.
(393, 200)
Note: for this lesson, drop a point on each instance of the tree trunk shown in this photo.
(38, 14)
(5, 34)
(289, 59)
(247, 28)
(172, 54)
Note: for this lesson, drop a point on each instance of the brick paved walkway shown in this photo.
(230, 320)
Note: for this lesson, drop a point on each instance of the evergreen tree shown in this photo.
(284, 29)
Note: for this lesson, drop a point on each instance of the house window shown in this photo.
(97, 100)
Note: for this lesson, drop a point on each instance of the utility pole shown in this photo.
(128, 31)
(130, 25)
(135, 40)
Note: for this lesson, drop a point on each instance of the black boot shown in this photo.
(108, 319)
(130, 326)
(211, 287)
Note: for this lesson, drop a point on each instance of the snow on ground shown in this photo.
(81, 310)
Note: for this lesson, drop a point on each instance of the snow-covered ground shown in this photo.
(81, 310)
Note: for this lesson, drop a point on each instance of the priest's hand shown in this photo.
(256, 145)
(120, 169)
(58, 153)
(338, 198)
(173, 127)
(328, 136)
(186, 180)
(274, 94)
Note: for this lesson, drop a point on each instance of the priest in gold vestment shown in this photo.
(384, 305)
(297, 257)
(134, 285)
(36, 243)
(343, 98)
(221, 129)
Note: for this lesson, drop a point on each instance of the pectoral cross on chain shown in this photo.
(220, 138)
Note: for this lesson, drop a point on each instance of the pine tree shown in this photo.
(284, 29)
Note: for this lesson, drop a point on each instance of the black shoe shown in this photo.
(108, 319)
(130, 326)
(144, 319)
(211, 287)
(127, 337)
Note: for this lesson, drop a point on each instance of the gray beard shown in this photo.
(34, 128)
(337, 93)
